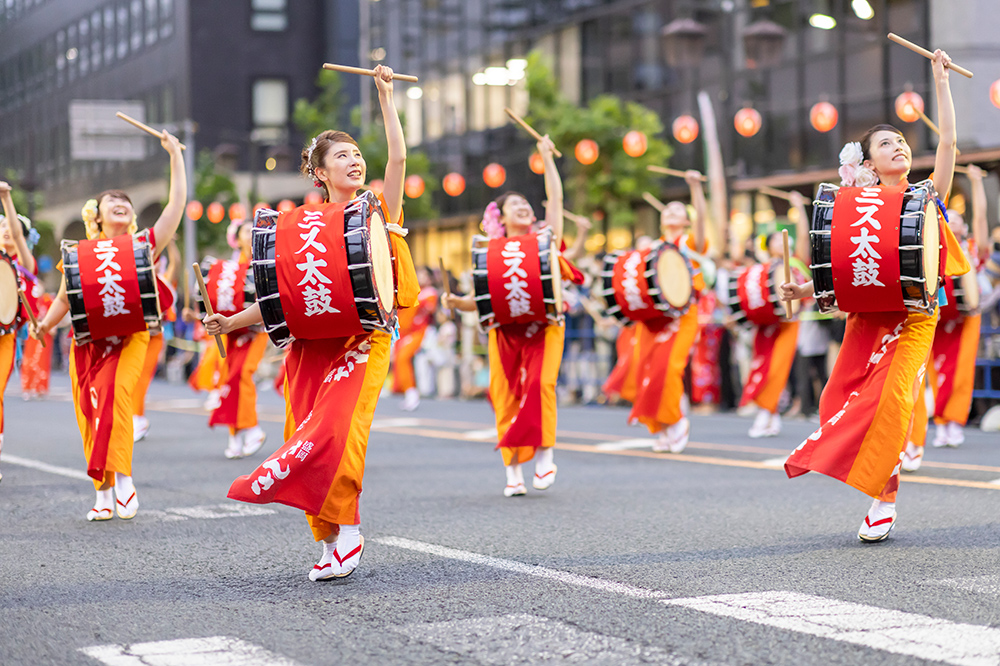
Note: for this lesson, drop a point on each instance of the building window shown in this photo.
(122, 31)
(268, 15)
(136, 41)
(152, 19)
(166, 18)
(96, 48)
(270, 103)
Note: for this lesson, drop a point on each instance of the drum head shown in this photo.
(556, 281)
(8, 294)
(932, 248)
(381, 260)
(970, 289)
(674, 278)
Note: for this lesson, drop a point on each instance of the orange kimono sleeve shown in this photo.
(407, 287)
(698, 281)
(955, 262)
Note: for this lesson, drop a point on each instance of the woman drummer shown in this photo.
(16, 240)
(868, 403)
(334, 161)
(664, 345)
(104, 372)
(524, 358)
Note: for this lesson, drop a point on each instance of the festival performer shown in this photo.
(18, 238)
(105, 371)
(774, 340)
(332, 384)
(867, 406)
(413, 323)
(524, 357)
(167, 272)
(666, 342)
(621, 381)
(230, 288)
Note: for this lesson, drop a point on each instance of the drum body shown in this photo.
(912, 244)
(962, 292)
(228, 297)
(753, 294)
(85, 317)
(355, 254)
(9, 304)
(648, 284)
(517, 280)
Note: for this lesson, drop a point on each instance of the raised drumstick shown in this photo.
(934, 128)
(144, 127)
(31, 313)
(445, 278)
(528, 128)
(772, 192)
(788, 269)
(367, 72)
(671, 172)
(573, 217)
(653, 201)
(208, 305)
(927, 54)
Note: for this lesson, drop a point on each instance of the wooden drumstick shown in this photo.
(187, 289)
(653, 201)
(961, 169)
(934, 128)
(573, 217)
(208, 305)
(672, 172)
(927, 54)
(445, 279)
(144, 127)
(528, 128)
(788, 269)
(772, 192)
(368, 72)
(31, 313)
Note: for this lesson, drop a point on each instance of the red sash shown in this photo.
(864, 248)
(311, 262)
(110, 287)
(514, 274)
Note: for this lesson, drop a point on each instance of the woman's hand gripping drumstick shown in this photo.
(367, 72)
(211, 312)
(529, 129)
(450, 300)
(145, 128)
(31, 315)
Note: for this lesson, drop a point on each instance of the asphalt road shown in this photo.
(711, 556)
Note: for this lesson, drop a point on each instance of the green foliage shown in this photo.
(615, 182)
(326, 111)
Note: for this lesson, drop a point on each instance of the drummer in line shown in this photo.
(665, 343)
(332, 385)
(104, 373)
(524, 357)
(867, 405)
(15, 243)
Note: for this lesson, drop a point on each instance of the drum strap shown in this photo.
(396, 229)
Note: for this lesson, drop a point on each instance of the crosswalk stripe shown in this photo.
(44, 467)
(624, 444)
(879, 628)
(211, 651)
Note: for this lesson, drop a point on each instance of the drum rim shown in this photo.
(385, 299)
(672, 251)
(8, 265)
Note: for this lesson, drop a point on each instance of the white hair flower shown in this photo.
(852, 154)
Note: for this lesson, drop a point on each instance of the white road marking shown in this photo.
(523, 640)
(213, 511)
(44, 467)
(394, 423)
(624, 444)
(521, 568)
(776, 463)
(995, 482)
(879, 628)
(177, 403)
(212, 651)
(483, 435)
(978, 584)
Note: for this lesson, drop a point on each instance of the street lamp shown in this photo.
(683, 42)
(763, 43)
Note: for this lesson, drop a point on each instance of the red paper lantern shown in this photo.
(587, 151)
(536, 163)
(237, 211)
(995, 93)
(823, 116)
(313, 197)
(216, 212)
(685, 129)
(286, 205)
(635, 144)
(909, 106)
(195, 210)
(454, 184)
(747, 121)
(494, 175)
(413, 186)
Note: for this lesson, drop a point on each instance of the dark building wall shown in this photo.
(227, 56)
